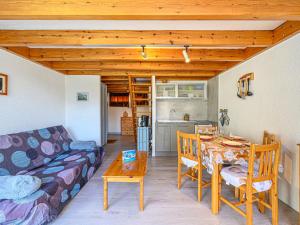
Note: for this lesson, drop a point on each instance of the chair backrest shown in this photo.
(189, 145)
(269, 138)
(268, 160)
(204, 128)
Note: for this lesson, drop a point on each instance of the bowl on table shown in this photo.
(206, 137)
(238, 138)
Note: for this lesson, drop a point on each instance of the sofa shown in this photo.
(44, 153)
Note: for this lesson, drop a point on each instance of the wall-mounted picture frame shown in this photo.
(3, 84)
(82, 96)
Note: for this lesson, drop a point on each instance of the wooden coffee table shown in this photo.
(132, 172)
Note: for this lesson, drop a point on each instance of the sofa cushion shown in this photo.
(62, 179)
(25, 151)
(83, 145)
(20, 186)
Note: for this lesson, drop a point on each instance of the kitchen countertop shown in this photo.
(184, 121)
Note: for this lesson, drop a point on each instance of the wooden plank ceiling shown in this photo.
(151, 9)
(116, 54)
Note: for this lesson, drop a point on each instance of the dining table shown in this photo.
(218, 151)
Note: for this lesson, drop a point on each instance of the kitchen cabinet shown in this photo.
(191, 90)
(184, 127)
(166, 135)
(183, 90)
(163, 137)
(165, 90)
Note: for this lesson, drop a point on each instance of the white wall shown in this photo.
(212, 99)
(275, 105)
(36, 96)
(83, 118)
(39, 97)
(174, 109)
(114, 118)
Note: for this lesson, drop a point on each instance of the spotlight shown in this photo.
(143, 53)
(186, 55)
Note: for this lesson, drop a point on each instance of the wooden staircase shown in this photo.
(140, 89)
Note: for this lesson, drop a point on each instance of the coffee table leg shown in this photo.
(105, 194)
(142, 194)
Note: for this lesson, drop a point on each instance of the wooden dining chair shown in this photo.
(189, 155)
(253, 181)
(205, 128)
(268, 138)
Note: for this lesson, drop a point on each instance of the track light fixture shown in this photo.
(143, 53)
(186, 55)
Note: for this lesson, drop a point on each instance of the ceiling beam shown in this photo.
(285, 31)
(118, 86)
(182, 78)
(137, 65)
(115, 87)
(129, 54)
(115, 83)
(151, 9)
(243, 38)
(117, 73)
(114, 78)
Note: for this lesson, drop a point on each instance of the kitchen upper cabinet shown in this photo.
(166, 90)
(182, 90)
(192, 90)
(163, 137)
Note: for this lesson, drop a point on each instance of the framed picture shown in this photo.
(82, 96)
(3, 84)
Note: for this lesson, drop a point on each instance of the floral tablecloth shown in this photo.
(215, 152)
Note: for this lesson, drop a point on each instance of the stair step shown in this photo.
(141, 92)
(141, 84)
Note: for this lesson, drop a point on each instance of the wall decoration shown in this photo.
(224, 118)
(82, 96)
(3, 84)
(243, 85)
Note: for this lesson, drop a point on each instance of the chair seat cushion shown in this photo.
(189, 162)
(237, 175)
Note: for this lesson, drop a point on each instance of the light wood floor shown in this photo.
(164, 203)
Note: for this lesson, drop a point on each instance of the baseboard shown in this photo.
(114, 133)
